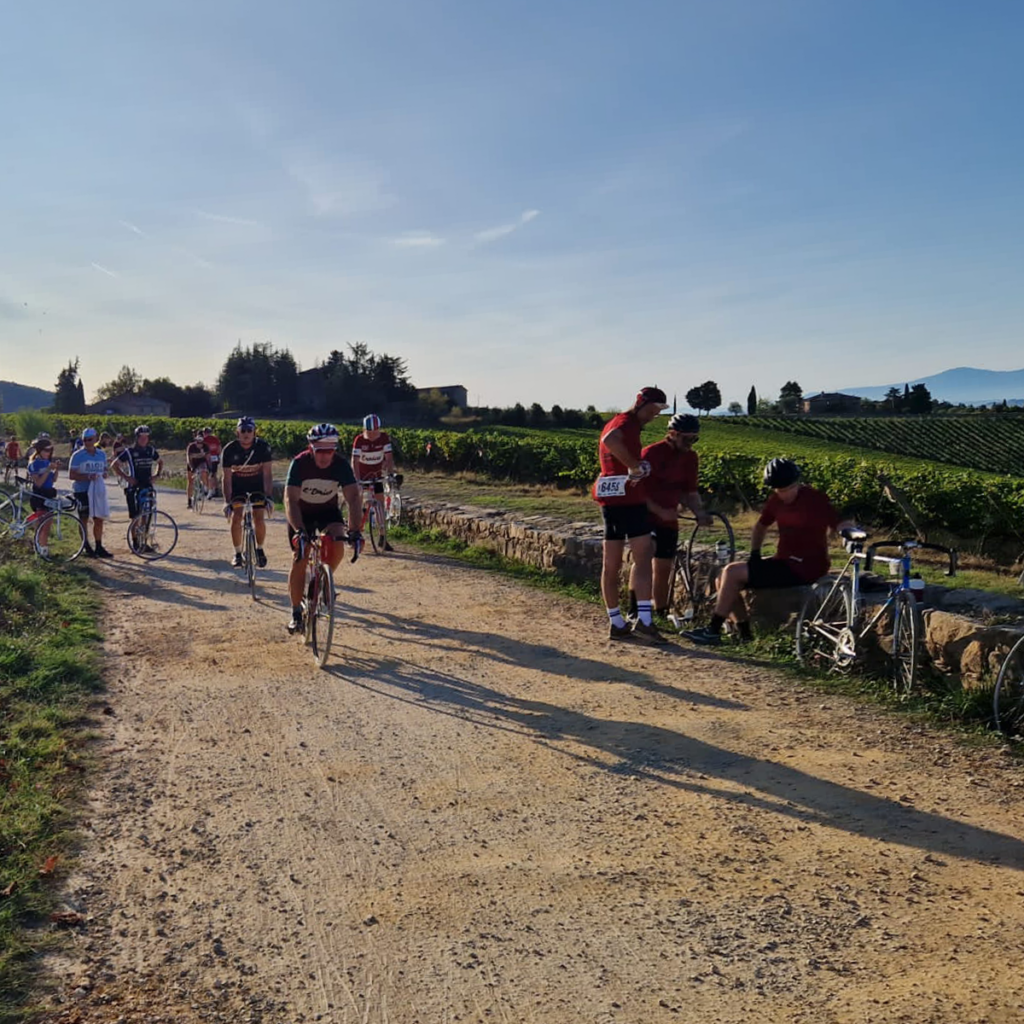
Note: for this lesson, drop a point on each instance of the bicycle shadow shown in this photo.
(509, 651)
(123, 583)
(682, 762)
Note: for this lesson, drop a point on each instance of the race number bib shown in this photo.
(611, 486)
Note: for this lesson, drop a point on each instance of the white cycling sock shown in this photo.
(643, 611)
(615, 615)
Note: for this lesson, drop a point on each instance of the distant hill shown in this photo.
(16, 397)
(963, 384)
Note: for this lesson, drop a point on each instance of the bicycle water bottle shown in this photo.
(722, 552)
(917, 588)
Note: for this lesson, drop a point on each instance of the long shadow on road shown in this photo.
(672, 758)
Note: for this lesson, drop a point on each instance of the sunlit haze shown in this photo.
(553, 202)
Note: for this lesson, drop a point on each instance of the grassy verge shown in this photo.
(48, 668)
(940, 700)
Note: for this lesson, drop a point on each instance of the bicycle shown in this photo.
(393, 498)
(318, 604)
(700, 558)
(1008, 698)
(199, 490)
(249, 545)
(831, 628)
(58, 535)
(375, 520)
(152, 534)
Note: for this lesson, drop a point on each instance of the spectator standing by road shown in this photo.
(87, 469)
(621, 493)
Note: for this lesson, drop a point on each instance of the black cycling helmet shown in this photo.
(245, 423)
(142, 429)
(781, 473)
(684, 423)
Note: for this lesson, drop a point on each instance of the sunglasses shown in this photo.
(247, 431)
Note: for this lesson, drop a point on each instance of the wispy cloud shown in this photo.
(418, 240)
(222, 218)
(131, 227)
(339, 189)
(194, 258)
(104, 270)
(492, 234)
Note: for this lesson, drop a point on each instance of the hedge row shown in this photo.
(965, 502)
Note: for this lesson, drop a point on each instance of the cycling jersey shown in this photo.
(246, 465)
(38, 465)
(212, 442)
(320, 485)
(368, 455)
(83, 462)
(613, 486)
(196, 454)
(13, 451)
(673, 476)
(803, 531)
(140, 463)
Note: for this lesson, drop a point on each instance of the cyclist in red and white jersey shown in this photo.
(372, 456)
(621, 493)
(212, 442)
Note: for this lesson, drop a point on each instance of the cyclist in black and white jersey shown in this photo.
(138, 465)
(247, 470)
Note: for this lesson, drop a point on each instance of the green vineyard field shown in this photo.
(992, 444)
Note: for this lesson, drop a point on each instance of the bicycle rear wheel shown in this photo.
(707, 551)
(59, 536)
(378, 527)
(8, 514)
(321, 615)
(198, 496)
(1008, 698)
(906, 643)
(152, 535)
(250, 559)
(824, 629)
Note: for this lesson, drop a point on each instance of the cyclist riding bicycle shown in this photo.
(316, 479)
(138, 465)
(372, 457)
(196, 462)
(671, 483)
(805, 517)
(213, 455)
(247, 465)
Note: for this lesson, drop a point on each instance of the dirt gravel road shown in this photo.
(482, 811)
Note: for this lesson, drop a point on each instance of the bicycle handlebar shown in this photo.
(951, 553)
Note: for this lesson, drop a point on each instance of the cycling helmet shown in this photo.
(142, 429)
(684, 423)
(323, 434)
(371, 422)
(781, 473)
(645, 396)
(246, 423)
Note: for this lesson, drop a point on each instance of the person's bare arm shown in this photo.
(292, 512)
(353, 495)
(615, 444)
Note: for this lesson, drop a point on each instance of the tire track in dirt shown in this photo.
(483, 811)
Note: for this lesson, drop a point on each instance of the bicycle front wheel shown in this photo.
(906, 643)
(378, 527)
(1008, 699)
(709, 549)
(198, 496)
(321, 615)
(824, 630)
(250, 560)
(59, 536)
(152, 535)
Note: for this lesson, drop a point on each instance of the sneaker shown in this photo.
(387, 546)
(236, 560)
(295, 624)
(102, 552)
(261, 558)
(648, 634)
(188, 504)
(619, 632)
(88, 552)
(703, 636)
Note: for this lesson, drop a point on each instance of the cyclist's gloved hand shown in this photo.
(227, 511)
(355, 539)
(755, 555)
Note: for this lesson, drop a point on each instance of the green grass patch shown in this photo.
(48, 669)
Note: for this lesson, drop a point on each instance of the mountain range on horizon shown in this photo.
(966, 384)
(16, 397)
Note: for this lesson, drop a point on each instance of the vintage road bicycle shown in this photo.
(702, 553)
(58, 535)
(375, 520)
(835, 620)
(393, 498)
(247, 504)
(1008, 697)
(319, 602)
(152, 534)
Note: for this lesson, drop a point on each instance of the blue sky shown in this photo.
(554, 202)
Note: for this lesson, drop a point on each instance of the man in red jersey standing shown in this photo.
(621, 493)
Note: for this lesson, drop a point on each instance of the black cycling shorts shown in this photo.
(772, 573)
(666, 541)
(623, 522)
(312, 522)
(82, 498)
(40, 496)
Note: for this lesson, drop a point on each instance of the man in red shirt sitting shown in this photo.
(805, 518)
(621, 493)
(672, 482)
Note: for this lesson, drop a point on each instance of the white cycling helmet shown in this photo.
(322, 435)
